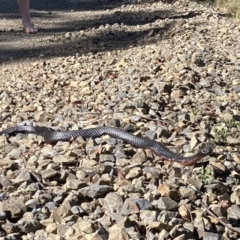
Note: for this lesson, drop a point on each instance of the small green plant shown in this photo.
(197, 112)
(206, 176)
(236, 181)
(220, 135)
(232, 123)
(223, 128)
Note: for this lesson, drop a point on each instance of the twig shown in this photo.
(227, 225)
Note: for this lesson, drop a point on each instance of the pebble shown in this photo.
(113, 202)
(31, 204)
(166, 203)
(3, 215)
(50, 206)
(129, 207)
(95, 190)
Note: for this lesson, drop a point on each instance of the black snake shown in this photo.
(52, 136)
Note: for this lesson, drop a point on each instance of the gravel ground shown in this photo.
(168, 71)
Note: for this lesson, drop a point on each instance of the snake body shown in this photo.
(52, 136)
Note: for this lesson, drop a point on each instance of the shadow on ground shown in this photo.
(76, 5)
(18, 45)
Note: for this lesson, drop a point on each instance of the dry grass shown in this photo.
(231, 7)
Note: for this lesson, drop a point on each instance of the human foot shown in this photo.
(29, 28)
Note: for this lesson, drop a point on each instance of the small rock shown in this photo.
(106, 158)
(166, 203)
(85, 226)
(113, 202)
(212, 236)
(94, 191)
(14, 205)
(184, 212)
(139, 157)
(58, 214)
(61, 229)
(50, 206)
(3, 215)
(159, 226)
(28, 226)
(235, 196)
(218, 210)
(74, 84)
(76, 210)
(43, 197)
(49, 173)
(5, 162)
(118, 231)
(164, 189)
(188, 193)
(61, 159)
(189, 226)
(194, 142)
(150, 134)
(197, 183)
(183, 237)
(9, 228)
(74, 184)
(177, 94)
(68, 35)
(148, 216)
(217, 188)
(199, 62)
(23, 176)
(51, 228)
(134, 173)
(235, 209)
(163, 133)
(29, 108)
(15, 153)
(163, 234)
(33, 187)
(166, 216)
(143, 204)
(236, 82)
(31, 204)
(129, 207)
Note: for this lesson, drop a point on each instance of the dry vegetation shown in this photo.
(231, 7)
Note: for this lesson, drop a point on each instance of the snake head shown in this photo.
(195, 158)
(205, 151)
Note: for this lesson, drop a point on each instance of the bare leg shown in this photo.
(24, 8)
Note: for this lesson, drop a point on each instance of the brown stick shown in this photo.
(227, 225)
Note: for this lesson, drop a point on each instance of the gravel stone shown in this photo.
(129, 207)
(113, 202)
(49, 173)
(28, 226)
(166, 203)
(216, 188)
(14, 205)
(95, 190)
(76, 210)
(50, 206)
(31, 204)
(3, 215)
